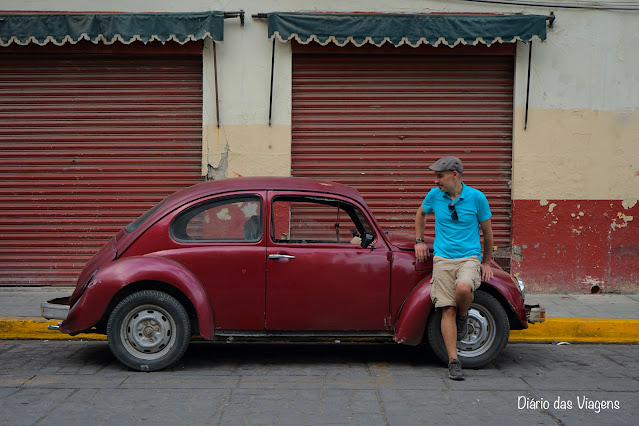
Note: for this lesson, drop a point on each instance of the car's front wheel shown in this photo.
(148, 330)
(488, 330)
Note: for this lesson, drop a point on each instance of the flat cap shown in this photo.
(447, 163)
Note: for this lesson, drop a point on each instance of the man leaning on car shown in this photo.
(458, 264)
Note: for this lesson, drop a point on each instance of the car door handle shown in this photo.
(280, 256)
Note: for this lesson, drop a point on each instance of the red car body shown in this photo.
(270, 285)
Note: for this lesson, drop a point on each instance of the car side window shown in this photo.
(229, 219)
(307, 220)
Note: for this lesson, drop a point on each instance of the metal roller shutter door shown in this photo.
(90, 138)
(375, 120)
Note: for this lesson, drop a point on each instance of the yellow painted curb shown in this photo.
(36, 328)
(596, 330)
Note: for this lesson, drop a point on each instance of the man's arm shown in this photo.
(487, 256)
(421, 249)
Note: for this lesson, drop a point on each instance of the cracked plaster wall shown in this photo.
(244, 144)
(575, 179)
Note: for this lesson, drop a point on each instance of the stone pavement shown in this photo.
(58, 382)
(603, 318)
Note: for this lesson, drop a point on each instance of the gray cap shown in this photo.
(447, 163)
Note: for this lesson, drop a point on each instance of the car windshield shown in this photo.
(140, 220)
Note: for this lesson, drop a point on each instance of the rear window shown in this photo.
(140, 220)
(237, 219)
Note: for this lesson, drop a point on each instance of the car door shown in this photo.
(318, 275)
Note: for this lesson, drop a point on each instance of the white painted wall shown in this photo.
(589, 60)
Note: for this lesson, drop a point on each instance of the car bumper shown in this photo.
(535, 314)
(55, 308)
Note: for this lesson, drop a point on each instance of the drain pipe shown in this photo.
(528, 84)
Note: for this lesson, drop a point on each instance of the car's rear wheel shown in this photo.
(488, 330)
(148, 330)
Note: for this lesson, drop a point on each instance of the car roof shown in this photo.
(221, 186)
(264, 183)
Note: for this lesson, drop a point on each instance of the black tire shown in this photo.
(488, 330)
(148, 330)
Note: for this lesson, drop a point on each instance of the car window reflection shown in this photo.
(308, 220)
(231, 219)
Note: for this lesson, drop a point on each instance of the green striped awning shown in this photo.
(62, 28)
(412, 29)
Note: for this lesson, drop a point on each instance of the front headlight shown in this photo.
(520, 282)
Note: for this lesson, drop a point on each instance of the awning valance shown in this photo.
(108, 28)
(411, 29)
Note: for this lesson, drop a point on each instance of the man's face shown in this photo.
(446, 181)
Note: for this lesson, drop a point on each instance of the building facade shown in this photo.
(103, 112)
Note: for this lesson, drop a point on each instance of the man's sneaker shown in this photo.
(454, 370)
(462, 327)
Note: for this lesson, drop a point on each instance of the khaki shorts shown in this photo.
(447, 273)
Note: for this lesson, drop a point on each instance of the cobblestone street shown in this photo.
(79, 382)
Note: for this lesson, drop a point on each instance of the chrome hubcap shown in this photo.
(148, 332)
(481, 332)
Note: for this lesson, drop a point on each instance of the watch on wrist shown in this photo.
(419, 240)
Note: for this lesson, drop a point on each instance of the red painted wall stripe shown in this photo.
(573, 245)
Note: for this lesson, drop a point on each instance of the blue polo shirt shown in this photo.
(457, 239)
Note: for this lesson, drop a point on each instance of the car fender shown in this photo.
(510, 297)
(418, 306)
(92, 305)
(413, 314)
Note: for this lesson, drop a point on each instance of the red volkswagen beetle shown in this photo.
(269, 258)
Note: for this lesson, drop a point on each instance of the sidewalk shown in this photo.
(595, 318)
(601, 318)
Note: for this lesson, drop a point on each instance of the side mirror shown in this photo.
(367, 240)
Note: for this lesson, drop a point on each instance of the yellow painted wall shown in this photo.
(248, 150)
(576, 154)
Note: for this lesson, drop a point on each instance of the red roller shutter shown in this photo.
(375, 118)
(90, 138)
